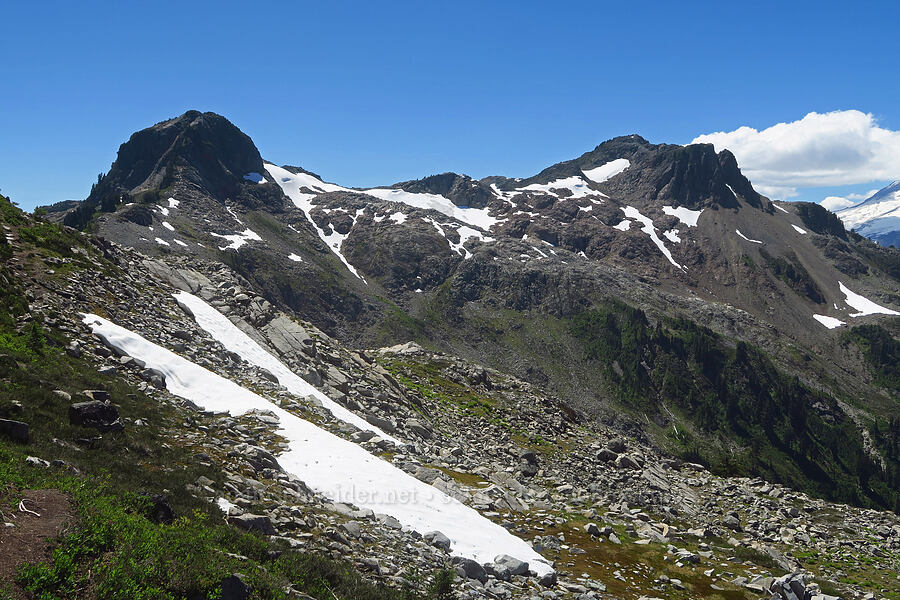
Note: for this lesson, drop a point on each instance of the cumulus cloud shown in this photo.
(837, 148)
(834, 203)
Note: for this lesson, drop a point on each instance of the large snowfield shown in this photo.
(330, 465)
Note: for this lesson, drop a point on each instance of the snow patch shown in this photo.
(863, 304)
(162, 242)
(624, 225)
(648, 228)
(227, 333)
(476, 217)
(607, 171)
(168, 226)
(173, 203)
(685, 215)
(293, 184)
(798, 229)
(738, 231)
(672, 236)
(574, 184)
(398, 217)
(330, 465)
(237, 239)
(295, 258)
(179, 242)
(829, 322)
(781, 209)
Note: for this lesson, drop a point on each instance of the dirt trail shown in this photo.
(33, 537)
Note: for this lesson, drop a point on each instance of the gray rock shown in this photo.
(515, 566)
(250, 522)
(469, 569)
(235, 588)
(606, 455)
(95, 414)
(625, 461)
(416, 427)
(437, 539)
(17, 431)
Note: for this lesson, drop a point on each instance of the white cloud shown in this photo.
(834, 203)
(837, 148)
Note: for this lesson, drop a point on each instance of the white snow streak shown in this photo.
(168, 226)
(624, 225)
(738, 231)
(295, 258)
(574, 184)
(607, 171)
(798, 229)
(685, 215)
(477, 217)
(292, 185)
(829, 322)
(648, 228)
(227, 333)
(237, 239)
(863, 304)
(162, 242)
(329, 464)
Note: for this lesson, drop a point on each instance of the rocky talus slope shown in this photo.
(616, 517)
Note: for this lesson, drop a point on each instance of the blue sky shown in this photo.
(367, 93)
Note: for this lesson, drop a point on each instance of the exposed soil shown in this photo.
(32, 539)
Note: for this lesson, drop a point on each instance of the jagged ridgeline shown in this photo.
(630, 346)
(735, 292)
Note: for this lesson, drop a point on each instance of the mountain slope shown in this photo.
(877, 217)
(500, 271)
(612, 512)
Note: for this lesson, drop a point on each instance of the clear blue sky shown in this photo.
(368, 93)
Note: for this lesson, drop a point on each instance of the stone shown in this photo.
(515, 566)
(732, 522)
(627, 462)
(96, 414)
(592, 529)
(617, 445)
(437, 539)
(416, 427)
(469, 568)
(606, 455)
(251, 522)
(548, 580)
(235, 588)
(17, 431)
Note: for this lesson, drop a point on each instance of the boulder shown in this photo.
(250, 522)
(416, 427)
(235, 588)
(96, 414)
(606, 455)
(158, 509)
(515, 566)
(437, 539)
(468, 568)
(17, 431)
(626, 462)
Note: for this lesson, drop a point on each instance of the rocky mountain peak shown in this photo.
(204, 150)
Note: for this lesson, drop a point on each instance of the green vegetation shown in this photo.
(881, 352)
(429, 380)
(113, 548)
(745, 417)
(789, 270)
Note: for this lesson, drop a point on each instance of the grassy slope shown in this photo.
(115, 550)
